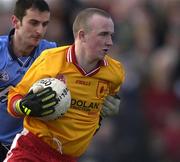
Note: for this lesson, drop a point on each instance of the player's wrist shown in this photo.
(17, 107)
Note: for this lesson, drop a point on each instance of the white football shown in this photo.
(63, 96)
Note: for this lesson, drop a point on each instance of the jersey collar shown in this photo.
(71, 58)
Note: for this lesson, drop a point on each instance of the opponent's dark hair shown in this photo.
(23, 5)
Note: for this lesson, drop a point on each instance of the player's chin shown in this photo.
(102, 55)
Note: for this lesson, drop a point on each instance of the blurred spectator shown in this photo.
(171, 135)
(159, 99)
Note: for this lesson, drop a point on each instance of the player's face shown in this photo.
(99, 38)
(32, 27)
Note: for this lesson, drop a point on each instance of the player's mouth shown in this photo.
(105, 50)
(37, 38)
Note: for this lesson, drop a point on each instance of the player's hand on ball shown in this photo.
(111, 106)
(37, 104)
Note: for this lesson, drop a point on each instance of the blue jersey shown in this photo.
(12, 69)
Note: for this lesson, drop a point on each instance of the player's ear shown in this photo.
(15, 22)
(81, 35)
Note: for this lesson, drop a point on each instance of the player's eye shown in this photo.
(103, 33)
(45, 23)
(34, 22)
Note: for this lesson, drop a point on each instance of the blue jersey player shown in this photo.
(18, 50)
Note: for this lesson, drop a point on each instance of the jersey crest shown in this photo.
(102, 89)
(4, 77)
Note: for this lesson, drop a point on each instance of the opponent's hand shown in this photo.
(110, 106)
(37, 104)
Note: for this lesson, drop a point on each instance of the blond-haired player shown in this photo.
(90, 74)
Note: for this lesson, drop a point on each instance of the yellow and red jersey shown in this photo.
(76, 128)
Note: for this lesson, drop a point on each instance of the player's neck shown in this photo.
(84, 62)
(19, 48)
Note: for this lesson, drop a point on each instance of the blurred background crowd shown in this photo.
(147, 42)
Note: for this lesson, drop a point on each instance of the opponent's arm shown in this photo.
(111, 106)
(3, 94)
(37, 104)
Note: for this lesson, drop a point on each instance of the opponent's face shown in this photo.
(99, 39)
(32, 28)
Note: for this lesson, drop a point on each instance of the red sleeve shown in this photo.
(12, 102)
